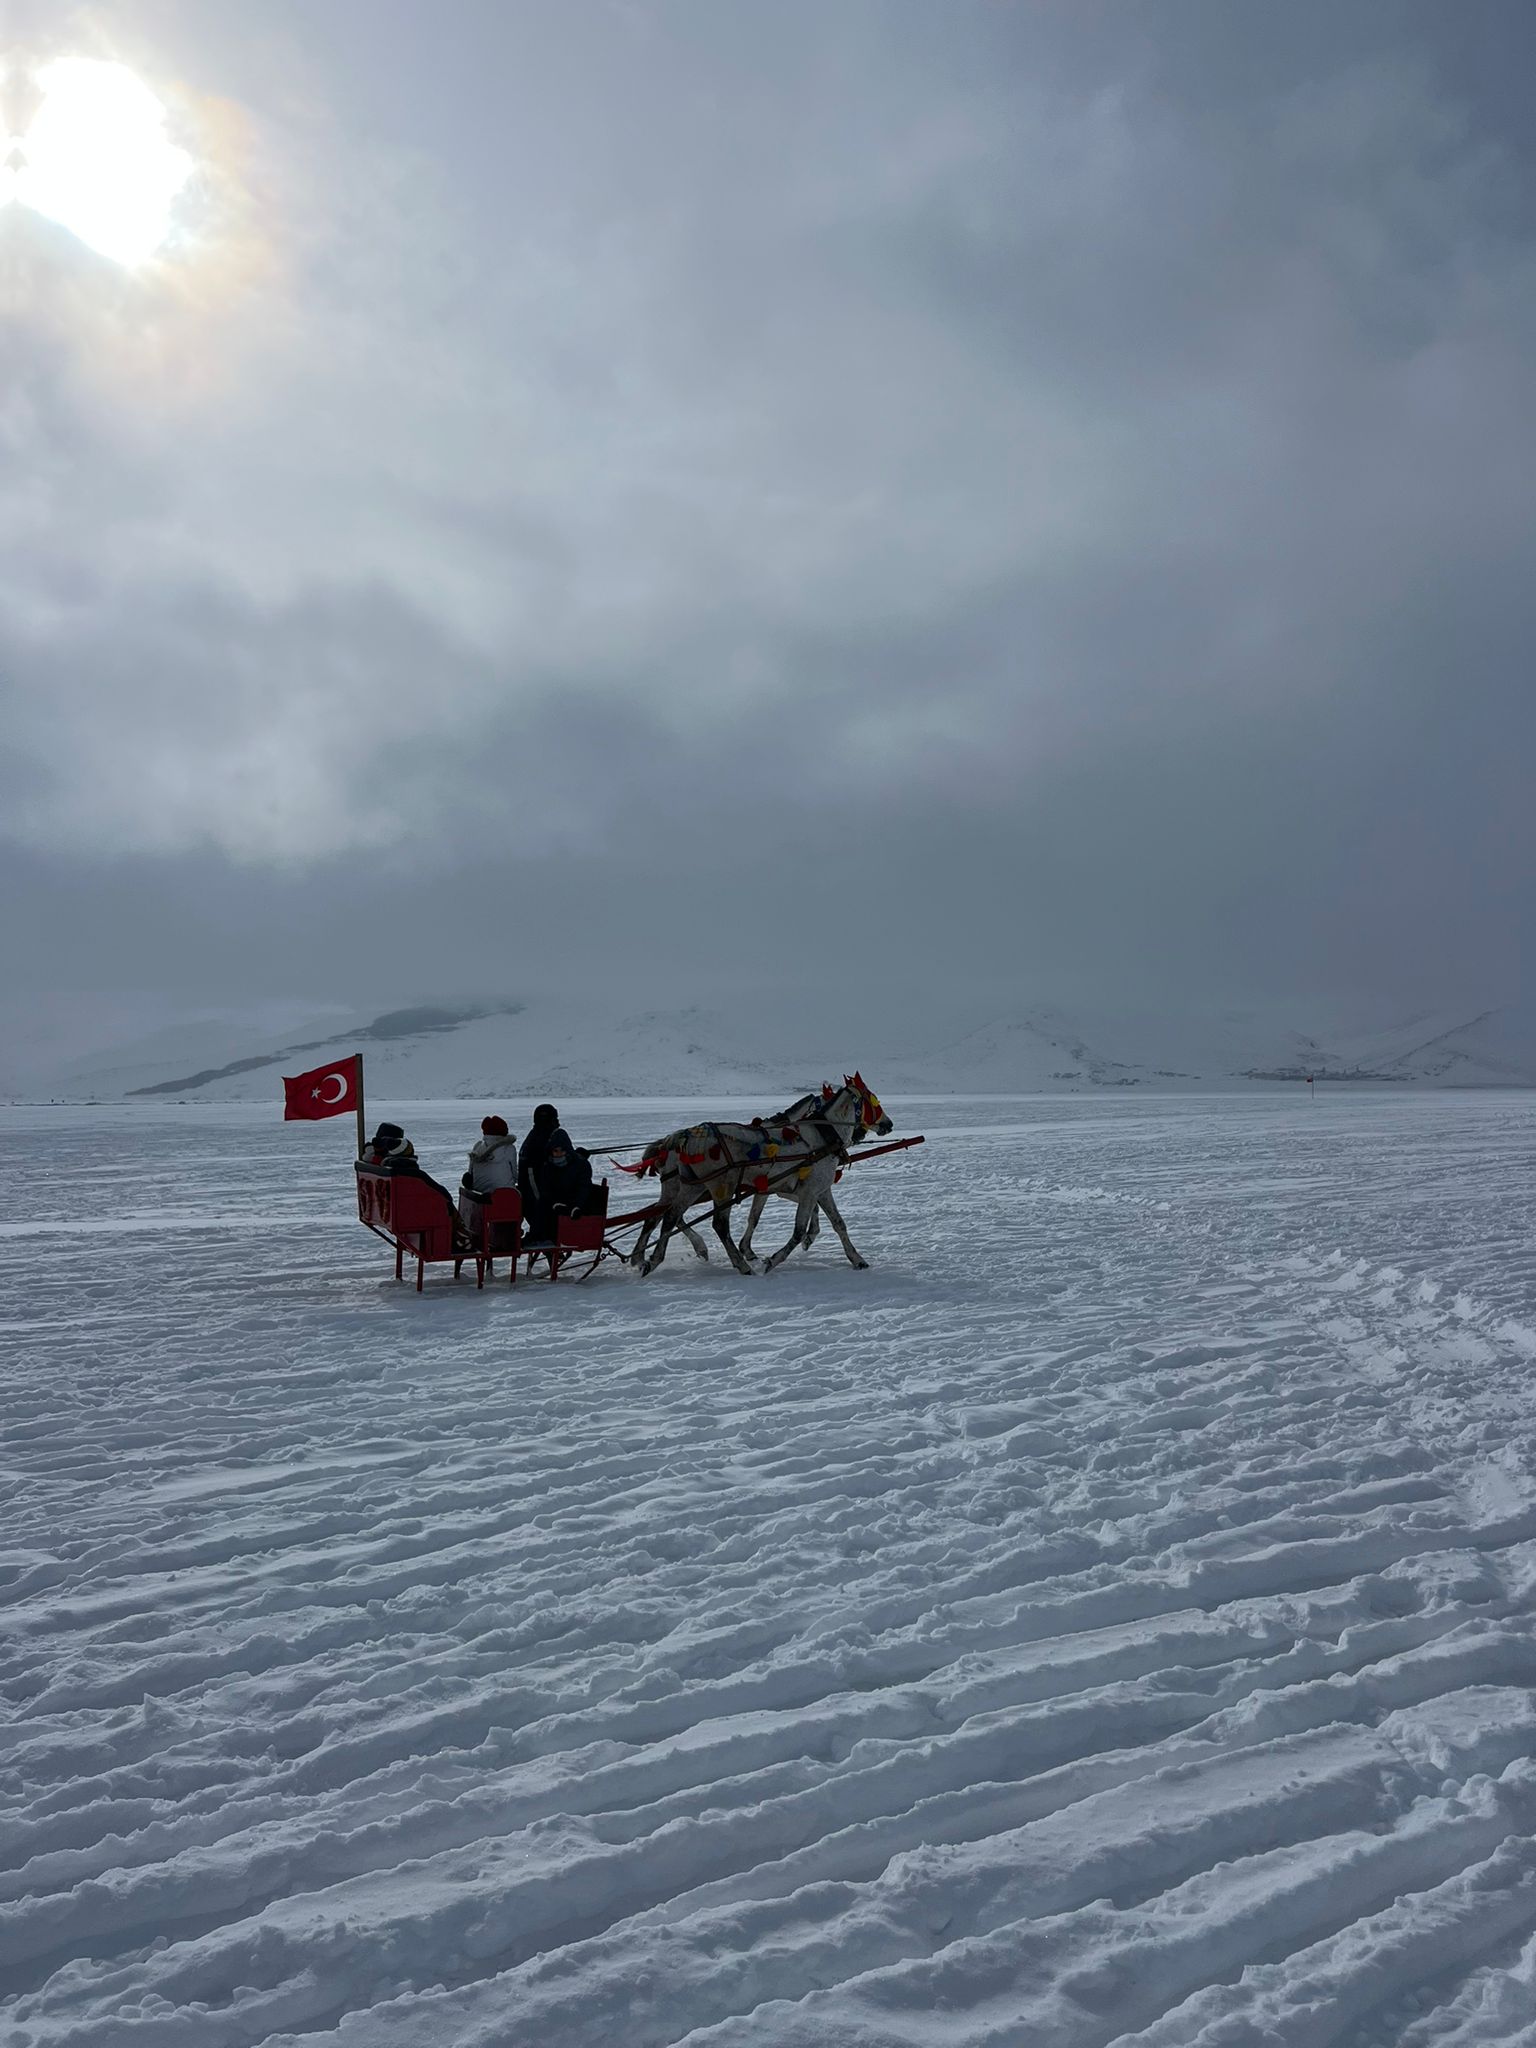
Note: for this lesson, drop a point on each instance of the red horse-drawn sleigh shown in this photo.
(421, 1222)
(417, 1219)
(796, 1155)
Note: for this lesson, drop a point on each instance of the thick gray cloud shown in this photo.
(1009, 498)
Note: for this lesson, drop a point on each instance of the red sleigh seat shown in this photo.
(577, 1234)
(422, 1224)
(495, 1228)
(416, 1218)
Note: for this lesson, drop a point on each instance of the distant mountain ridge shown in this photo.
(506, 1049)
(421, 1022)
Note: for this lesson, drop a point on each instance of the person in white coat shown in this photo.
(492, 1165)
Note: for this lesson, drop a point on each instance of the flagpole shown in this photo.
(362, 1124)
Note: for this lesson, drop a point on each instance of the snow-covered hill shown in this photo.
(467, 1051)
(515, 1050)
(1049, 1049)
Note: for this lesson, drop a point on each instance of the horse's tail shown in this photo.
(653, 1158)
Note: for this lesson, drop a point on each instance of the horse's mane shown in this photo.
(798, 1107)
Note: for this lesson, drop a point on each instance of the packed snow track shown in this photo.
(1109, 1620)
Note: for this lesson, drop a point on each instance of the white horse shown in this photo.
(796, 1155)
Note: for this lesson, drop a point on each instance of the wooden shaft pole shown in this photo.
(874, 1151)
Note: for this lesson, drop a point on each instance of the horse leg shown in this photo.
(670, 1215)
(754, 1217)
(834, 1216)
(805, 1210)
(701, 1249)
(668, 1225)
(720, 1219)
(637, 1254)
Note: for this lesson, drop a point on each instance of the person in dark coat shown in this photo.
(554, 1176)
(391, 1151)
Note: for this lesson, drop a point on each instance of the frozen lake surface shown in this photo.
(1109, 1620)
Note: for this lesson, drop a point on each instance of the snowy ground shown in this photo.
(1111, 1619)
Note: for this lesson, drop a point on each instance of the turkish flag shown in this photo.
(323, 1091)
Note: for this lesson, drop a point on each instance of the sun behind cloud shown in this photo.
(96, 158)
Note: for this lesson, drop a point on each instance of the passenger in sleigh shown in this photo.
(391, 1151)
(553, 1175)
(492, 1165)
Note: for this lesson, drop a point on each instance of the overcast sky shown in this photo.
(662, 498)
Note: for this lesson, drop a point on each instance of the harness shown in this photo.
(725, 1177)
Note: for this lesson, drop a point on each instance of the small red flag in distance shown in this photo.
(323, 1091)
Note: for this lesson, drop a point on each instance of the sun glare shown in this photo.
(97, 160)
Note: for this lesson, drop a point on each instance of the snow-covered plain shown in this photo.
(1110, 1619)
